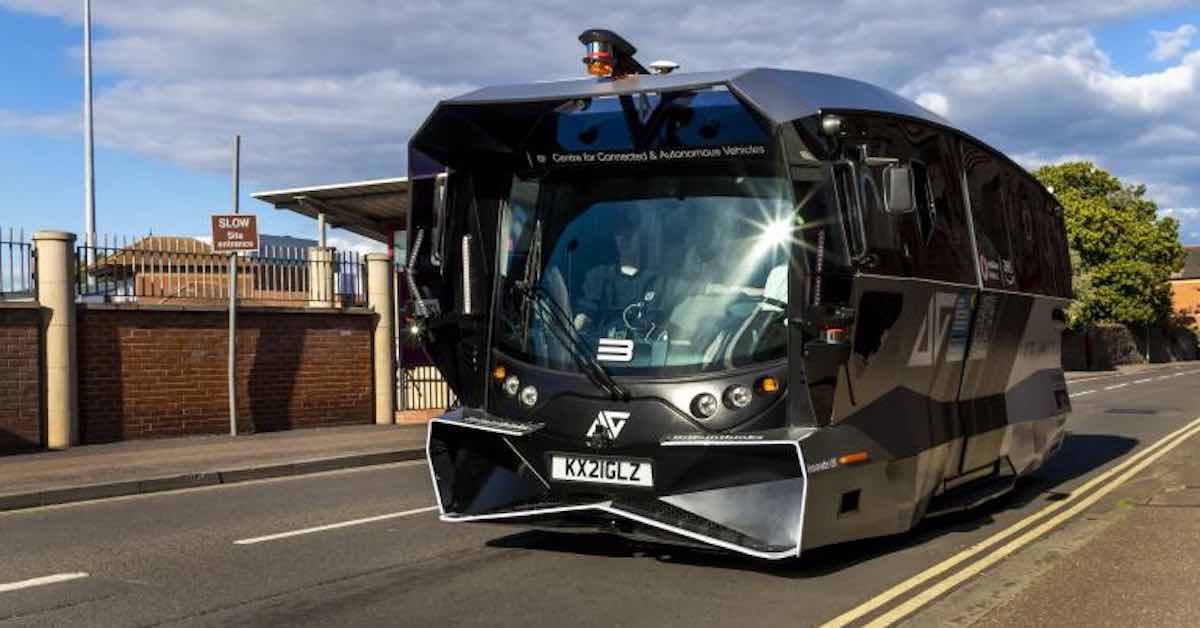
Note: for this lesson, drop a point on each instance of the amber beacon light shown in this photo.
(608, 54)
(599, 58)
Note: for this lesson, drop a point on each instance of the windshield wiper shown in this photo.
(551, 313)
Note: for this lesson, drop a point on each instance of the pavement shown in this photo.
(1124, 369)
(147, 466)
(364, 546)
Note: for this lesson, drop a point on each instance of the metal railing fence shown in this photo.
(181, 271)
(16, 265)
(423, 388)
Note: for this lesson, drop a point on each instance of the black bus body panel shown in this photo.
(946, 388)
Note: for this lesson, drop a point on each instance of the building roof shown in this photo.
(1191, 264)
(170, 253)
(372, 209)
(148, 250)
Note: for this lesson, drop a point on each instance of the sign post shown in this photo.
(233, 233)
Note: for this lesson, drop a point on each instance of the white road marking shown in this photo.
(334, 526)
(1142, 381)
(44, 580)
(1162, 377)
(916, 602)
(918, 579)
(1116, 386)
(215, 487)
(1082, 393)
(1180, 374)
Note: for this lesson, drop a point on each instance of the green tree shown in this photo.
(1077, 313)
(1121, 247)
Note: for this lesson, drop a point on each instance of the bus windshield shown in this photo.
(658, 275)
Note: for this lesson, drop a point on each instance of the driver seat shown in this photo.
(775, 291)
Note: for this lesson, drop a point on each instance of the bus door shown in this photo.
(999, 316)
(914, 298)
(944, 266)
(885, 387)
(452, 236)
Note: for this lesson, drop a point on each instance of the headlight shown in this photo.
(529, 396)
(511, 385)
(704, 405)
(738, 396)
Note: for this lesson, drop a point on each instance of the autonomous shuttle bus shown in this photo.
(758, 310)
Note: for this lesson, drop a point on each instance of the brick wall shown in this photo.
(1186, 297)
(1105, 346)
(155, 372)
(20, 378)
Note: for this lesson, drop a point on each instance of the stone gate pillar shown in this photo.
(321, 292)
(379, 298)
(56, 294)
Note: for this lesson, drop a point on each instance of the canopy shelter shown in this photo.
(372, 209)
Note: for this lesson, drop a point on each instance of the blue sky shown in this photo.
(330, 94)
(43, 173)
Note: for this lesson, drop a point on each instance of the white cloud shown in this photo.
(1045, 96)
(1189, 222)
(331, 91)
(1171, 44)
(1033, 160)
(934, 102)
(295, 131)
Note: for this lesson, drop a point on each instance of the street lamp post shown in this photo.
(232, 370)
(89, 180)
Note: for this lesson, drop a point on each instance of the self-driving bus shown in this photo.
(758, 310)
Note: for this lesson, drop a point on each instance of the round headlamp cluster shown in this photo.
(511, 385)
(529, 396)
(704, 405)
(738, 396)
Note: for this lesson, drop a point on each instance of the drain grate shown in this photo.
(1139, 411)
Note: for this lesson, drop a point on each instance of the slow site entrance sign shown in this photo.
(234, 232)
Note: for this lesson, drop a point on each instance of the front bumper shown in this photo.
(745, 493)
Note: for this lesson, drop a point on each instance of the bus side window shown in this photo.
(989, 183)
(940, 218)
(923, 201)
(845, 180)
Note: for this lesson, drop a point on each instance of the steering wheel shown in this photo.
(636, 319)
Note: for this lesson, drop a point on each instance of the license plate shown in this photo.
(599, 470)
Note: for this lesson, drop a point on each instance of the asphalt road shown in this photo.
(244, 555)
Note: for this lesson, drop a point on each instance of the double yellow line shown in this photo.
(1051, 516)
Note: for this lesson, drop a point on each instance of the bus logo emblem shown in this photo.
(934, 329)
(615, 350)
(609, 422)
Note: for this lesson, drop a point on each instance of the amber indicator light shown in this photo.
(499, 372)
(854, 458)
(768, 385)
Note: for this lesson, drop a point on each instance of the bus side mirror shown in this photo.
(898, 190)
(440, 220)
